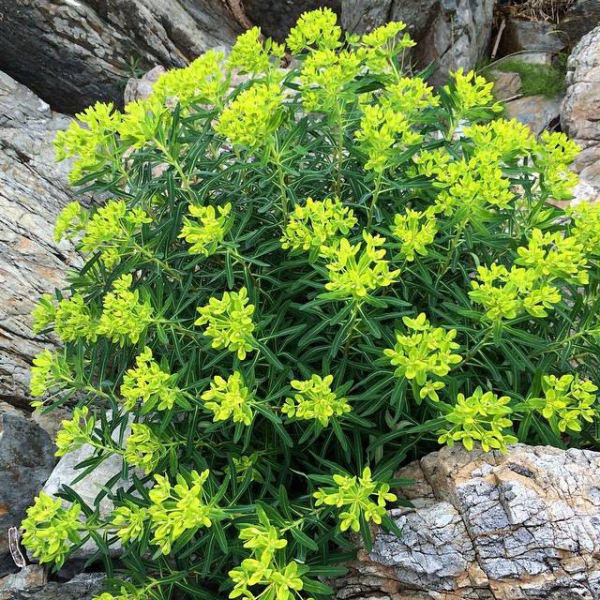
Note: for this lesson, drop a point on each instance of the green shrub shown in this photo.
(536, 79)
(300, 282)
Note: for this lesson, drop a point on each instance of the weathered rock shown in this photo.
(91, 485)
(276, 17)
(26, 461)
(81, 587)
(33, 189)
(520, 526)
(506, 85)
(581, 17)
(32, 576)
(139, 88)
(449, 33)
(74, 53)
(530, 36)
(580, 111)
(537, 112)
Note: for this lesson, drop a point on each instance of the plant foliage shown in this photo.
(303, 278)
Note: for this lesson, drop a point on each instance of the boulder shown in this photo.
(26, 461)
(74, 53)
(506, 85)
(33, 190)
(530, 36)
(580, 110)
(537, 112)
(449, 33)
(581, 17)
(525, 525)
(276, 17)
(30, 584)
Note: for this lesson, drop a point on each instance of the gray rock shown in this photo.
(537, 112)
(276, 17)
(530, 36)
(580, 111)
(581, 17)
(81, 587)
(449, 33)
(33, 190)
(525, 525)
(26, 461)
(89, 487)
(74, 53)
(140, 88)
(506, 85)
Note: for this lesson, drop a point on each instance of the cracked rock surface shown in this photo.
(525, 525)
(580, 111)
(76, 52)
(33, 190)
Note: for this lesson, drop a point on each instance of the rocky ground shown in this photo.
(483, 526)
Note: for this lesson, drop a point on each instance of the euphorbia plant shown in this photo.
(300, 282)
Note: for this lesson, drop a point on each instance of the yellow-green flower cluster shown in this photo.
(111, 229)
(501, 139)
(148, 383)
(253, 117)
(74, 320)
(251, 55)
(383, 135)
(144, 448)
(316, 223)
(50, 531)
(130, 522)
(318, 29)
(208, 231)
(49, 371)
(548, 257)
(229, 399)
(70, 221)
(125, 316)
(505, 294)
(141, 120)
(243, 464)
(482, 417)
(325, 80)
(354, 274)
(409, 96)
(354, 495)
(416, 232)
(229, 322)
(315, 400)
(178, 508)
(279, 580)
(425, 353)
(472, 185)
(203, 81)
(555, 154)
(567, 400)
(585, 228)
(471, 91)
(554, 256)
(92, 145)
(75, 432)
(381, 47)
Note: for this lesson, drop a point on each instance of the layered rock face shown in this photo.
(580, 113)
(525, 525)
(449, 33)
(76, 52)
(33, 190)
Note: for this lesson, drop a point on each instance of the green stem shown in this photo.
(340, 151)
(374, 200)
(281, 181)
